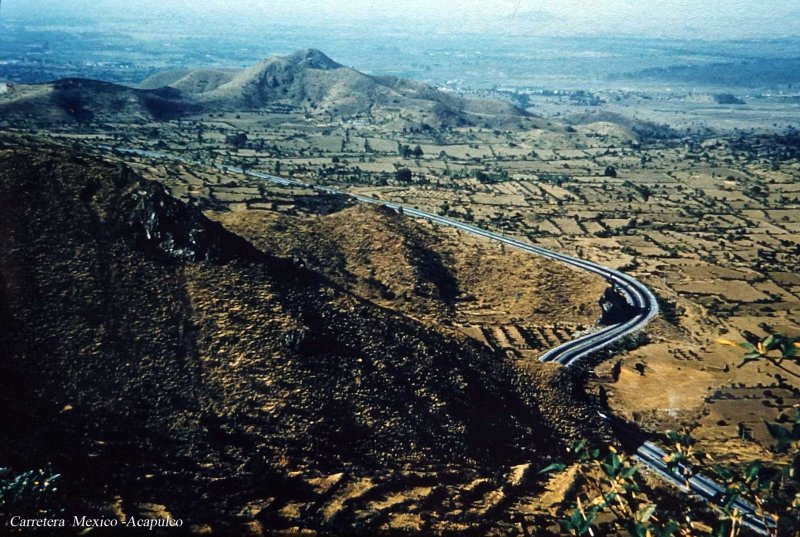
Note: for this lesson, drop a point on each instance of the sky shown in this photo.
(709, 19)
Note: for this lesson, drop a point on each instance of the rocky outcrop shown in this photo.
(157, 221)
(616, 308)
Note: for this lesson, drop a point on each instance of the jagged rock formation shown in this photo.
(158, 221)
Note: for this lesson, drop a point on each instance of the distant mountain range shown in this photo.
(751, 73)
(306, 81)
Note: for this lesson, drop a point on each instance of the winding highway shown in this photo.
(638, 296)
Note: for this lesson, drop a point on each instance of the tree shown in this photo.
(417, 152)
(403, 175)
(483, 177)
(610, 171)
(238, 140)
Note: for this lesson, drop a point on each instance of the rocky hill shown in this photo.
(306, 81)
(312, 81)
(160, 362)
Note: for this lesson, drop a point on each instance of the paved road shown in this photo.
(570, 353)
(652, 456)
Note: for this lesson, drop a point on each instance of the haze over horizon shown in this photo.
(713, 19)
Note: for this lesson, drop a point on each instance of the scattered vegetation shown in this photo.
(614, 497)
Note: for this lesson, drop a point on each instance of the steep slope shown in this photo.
(150, 355)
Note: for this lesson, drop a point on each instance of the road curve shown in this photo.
(570, 354)
(637, 295)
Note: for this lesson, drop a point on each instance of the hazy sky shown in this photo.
(713, 19)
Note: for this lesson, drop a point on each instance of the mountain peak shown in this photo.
(313, 58)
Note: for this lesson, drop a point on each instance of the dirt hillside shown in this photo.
(425, 270)
(154, 358)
